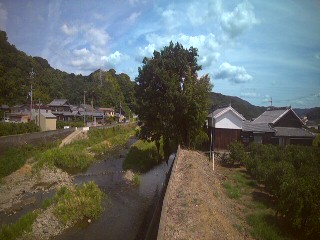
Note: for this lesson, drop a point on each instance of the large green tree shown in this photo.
(171, 100)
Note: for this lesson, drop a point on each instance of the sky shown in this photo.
(252, 49)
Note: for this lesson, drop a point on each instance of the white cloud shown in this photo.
(114, 59)
(145, 52)
(239, 20)
(317, 56)
(207, 45)
(69, 30)
(81, 52)
(3, 17)
(133, 17)
(233, 74)
(97, 36)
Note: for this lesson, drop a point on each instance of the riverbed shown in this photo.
(127, 206)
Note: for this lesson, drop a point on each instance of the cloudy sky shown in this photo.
(252, 49)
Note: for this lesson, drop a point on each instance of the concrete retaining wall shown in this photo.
(33, 138)
(167, 196)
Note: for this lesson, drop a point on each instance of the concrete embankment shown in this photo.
(195, 205)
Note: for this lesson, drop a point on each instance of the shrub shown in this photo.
(237, 153)
(291, 174)
(17, 128)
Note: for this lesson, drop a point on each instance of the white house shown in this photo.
(225, 125)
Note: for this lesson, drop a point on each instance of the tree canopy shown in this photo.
(50, 83)
(172, 102)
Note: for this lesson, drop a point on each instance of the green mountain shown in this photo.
(109, 90)
(248, 110)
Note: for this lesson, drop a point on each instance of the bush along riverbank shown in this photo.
(143, 156)
(41, 172)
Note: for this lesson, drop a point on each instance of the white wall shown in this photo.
(228, 120)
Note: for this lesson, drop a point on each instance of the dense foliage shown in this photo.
(17, 128)
(172, 102)
(50, 83)
(142, 156)
(291, 175)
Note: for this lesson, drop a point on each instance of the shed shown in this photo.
(48, 121)
(225, 125)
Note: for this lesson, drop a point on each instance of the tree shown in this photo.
(171, 100)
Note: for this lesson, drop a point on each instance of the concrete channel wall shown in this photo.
(33, 138)
(164, 210)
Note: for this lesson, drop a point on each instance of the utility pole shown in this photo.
(39, 112)
(92, 109)
(270, 101)
(31, 76)
(84, 105)
(120, 113)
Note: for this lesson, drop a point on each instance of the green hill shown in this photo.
(50, 83)
(248, 110)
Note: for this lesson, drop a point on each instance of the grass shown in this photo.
(259, 215)
(136, 179)
(78, 155)
(76, 203)
(15, 158)
(142, 156)
(17, 229)
(238, 185)
(264, 226)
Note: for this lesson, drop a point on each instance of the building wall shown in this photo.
(229, 120)
(289, 120)
(223, 137)
(47, 124)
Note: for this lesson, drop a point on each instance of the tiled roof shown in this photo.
(58, 102)
(48, 115)
(271, 116)
(220, 111)
(292, 132)
(256, 127)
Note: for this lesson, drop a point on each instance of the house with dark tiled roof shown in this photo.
(278, 126)
(225, 126)
(59, 107)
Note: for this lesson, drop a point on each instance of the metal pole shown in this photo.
(84, 105)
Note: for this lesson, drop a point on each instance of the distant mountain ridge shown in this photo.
(245, 108)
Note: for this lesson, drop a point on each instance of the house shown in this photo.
(225, 124)
(107, 112)
(48, 121)
(18, 117)
(92, 115)
(278, 126)
(59, 107)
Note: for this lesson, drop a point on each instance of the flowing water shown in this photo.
(127, 207)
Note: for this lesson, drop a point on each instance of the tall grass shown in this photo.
(15, 158)
(17, 229)
(80, 154)
(143, 156)
(76, 203)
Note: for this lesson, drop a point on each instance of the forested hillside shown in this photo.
(248, 110)
(50, 83)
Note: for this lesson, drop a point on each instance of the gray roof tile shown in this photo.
(292, 132)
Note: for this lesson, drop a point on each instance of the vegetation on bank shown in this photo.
(62, 124)
(17, 229)
(7, 129)
(142, 156)
(78, 202)
(291, 175)
(14, 158)
(79, 154)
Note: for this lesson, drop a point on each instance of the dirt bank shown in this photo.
(197, 205)
(22, 182)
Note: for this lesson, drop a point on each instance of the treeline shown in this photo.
(17, 128)
(108, 91)
(292, 175)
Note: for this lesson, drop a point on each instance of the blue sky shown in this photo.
(251, 49)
